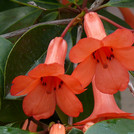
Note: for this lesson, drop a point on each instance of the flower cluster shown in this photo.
(103, 60)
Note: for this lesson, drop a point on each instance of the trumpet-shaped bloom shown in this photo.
(108, 58)
(47, 85)
(57, 129)
(128, 16)
(105, 108)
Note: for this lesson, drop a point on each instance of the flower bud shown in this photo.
(57, 129)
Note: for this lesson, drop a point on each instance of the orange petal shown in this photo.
(120, 38)
(20, 83)
(93, 26)
(72, 83)
(39, 103)
(85, 70)
(56, 51)
(46, 70)
(128, 16)
(111, 79)
(68, 102)
(125, 56)
(83, 49)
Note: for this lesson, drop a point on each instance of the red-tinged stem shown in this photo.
(113, 23)
(84, 3)
(72, 22)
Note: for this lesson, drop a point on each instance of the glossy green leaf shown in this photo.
(18, 18)
(49, 16)
(28, 51)
(11, 111)
(75, 131)
(113, 126)
(39, 3)
(11, 130)
(5, 47)
(120, 3)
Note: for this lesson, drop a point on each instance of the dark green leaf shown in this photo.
(88, 103)
(11, 130)
(49, 17)
(11, 111)
(18, 18)
(28, 51)
(38, 4)
(5, 47)
(120, 3)
(75, 131)
(113, 126)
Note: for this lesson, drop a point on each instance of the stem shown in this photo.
(70, 120)
(113, 23)
(95, 5)
(84, 3)
(21, 31)
(72, 22)
(131, 87)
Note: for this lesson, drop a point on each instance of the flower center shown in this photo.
(51, 83)
(103, 55)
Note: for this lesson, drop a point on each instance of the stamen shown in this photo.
(41, 78)
(61, 82)
(59, 86)
(54, 88)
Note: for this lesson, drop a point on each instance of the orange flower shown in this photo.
(128, 16)
(105, 108)
(47, 85)
(57, 129)
(108, 58)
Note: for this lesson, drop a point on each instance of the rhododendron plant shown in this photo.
(54, 54)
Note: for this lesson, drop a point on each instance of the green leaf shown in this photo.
(5, 47)
(75, 131)
(11, 130)
(39, 3)
(87, 101)
(29, 51)
(113, 126)
(49, 16)
(18, 18)
(11, 111)
(120, 3)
